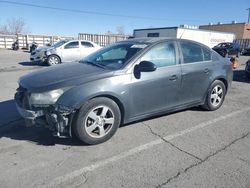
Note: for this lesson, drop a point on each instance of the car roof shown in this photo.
(148, 39)
(152, 40)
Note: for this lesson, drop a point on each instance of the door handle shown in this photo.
(173, 77)
(206, 71)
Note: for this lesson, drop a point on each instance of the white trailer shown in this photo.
(209, 38)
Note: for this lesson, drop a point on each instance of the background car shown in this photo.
(64, 51)
(121, 83)
(73, 50)
(227, 49)
(246, 51)
(38, 55)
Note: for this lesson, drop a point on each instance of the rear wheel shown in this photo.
(215, 96)
(97, 120)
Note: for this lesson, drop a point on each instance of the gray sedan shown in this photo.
(124, 82)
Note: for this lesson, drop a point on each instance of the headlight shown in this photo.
(46, 98)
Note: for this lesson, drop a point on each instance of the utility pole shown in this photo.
(248, 20)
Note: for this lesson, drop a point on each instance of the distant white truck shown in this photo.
(209, 38)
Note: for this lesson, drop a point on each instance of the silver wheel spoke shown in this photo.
(214, 102)
(219, 92)
(218, 99)
(91, 128)
(101, 131)
(213, 96)
(216, 89)
(104, 111)
(92, 115)
(109, 120)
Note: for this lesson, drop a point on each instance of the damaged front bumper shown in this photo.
(57, 118)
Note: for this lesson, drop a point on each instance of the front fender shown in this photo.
(116, 87)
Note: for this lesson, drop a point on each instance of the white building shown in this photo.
(209, 38)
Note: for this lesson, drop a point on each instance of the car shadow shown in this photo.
(240, 76)
(30, 63)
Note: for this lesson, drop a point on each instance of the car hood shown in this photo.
(64, 75)
(219, 48)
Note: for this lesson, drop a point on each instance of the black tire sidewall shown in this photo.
(209, 105)
(79, 127)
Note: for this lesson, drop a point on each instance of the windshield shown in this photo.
(114, 56)
(59, 43)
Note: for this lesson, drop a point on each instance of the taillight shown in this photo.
(234, 63)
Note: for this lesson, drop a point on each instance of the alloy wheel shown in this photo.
(54, 60)
(99, 121)
(216, 95)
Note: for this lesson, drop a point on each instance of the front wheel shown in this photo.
(215, 96)
(97, 120)
(53, 60)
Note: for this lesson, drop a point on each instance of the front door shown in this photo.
(86, 48)
(158, 90)
(71, 52)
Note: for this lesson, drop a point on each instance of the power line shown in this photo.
(248, 20)
(76, 11)
(88, 12)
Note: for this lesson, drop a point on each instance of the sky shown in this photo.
(100, 16)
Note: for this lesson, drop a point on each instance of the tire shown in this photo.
(53, 60)
(248, 75)
(215, 96)
(97, 121)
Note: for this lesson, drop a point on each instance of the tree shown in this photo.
(120, 30)
(13, 26)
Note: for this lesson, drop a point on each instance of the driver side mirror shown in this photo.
(146, 66)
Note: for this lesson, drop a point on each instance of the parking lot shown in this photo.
(189, 148)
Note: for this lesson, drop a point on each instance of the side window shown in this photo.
(191, 52)
(207, 54)
(87, 44)
(153, 34)
(161, 55)
(71, 45)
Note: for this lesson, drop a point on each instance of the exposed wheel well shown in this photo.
(224, 82)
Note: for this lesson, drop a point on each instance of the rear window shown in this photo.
(193, 52)
(87, 44)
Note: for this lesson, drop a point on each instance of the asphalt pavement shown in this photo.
(190, 148)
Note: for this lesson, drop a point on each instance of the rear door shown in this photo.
(86, 48)
(197, 68)
(71, 52)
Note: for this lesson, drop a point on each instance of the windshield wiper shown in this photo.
(95, 64)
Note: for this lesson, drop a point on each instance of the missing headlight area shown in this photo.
(57, 118)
